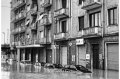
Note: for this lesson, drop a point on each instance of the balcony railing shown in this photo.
(18, 4)
(45, 41)
(91, 4)
(18, 30)
(47, 20)
(46, 3)
(19, 43)
(60, 36)
(61, 13)
(19, 16)
(34, 42)
(92, 31)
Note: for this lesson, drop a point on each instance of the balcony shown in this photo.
(34, 42)
(45, 41)
(92, 32)
(91, 4)
(61, 13)
(19, 16)
(18, 30)
(60, 36)
(46, 3)
(47, 20)
(19, 43)
(19, 4)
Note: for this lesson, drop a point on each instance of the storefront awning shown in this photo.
(30, 46)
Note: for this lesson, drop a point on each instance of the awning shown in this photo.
(27, 22)
(30, 46)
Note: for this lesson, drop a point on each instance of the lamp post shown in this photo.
(4, 36)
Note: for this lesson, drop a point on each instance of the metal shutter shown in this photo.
(64, 55)
(113, 56)
(82, 55)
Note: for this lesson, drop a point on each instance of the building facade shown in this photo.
(74, 32)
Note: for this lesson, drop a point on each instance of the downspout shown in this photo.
(103, 32)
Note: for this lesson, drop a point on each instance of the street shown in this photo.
(32, 72)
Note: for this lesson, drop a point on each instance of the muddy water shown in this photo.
(23, 71)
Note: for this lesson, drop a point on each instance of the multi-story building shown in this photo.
(86, 33)
(76, 32)
(31, 22)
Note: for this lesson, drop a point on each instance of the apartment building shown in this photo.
(86, 33)
(31, 30)
(75, 32)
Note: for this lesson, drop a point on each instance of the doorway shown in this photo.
(95, 59)
(64, 55)
(49, 56)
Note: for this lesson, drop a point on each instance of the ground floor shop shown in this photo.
(93, 53)
(35, 54)
(111, 52)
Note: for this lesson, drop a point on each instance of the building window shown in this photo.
(41, 34)
(95, 19)
(64, 3)
(112, 16)
(63, 26)
(80, 1)
(81, 22)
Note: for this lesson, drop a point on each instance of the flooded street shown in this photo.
(36, 72)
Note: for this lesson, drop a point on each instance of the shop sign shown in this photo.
(79, 41)
(87, 56)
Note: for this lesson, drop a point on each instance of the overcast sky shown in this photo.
(5, 20)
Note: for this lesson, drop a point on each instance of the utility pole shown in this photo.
(4, 36)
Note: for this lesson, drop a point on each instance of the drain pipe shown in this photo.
(103, 32)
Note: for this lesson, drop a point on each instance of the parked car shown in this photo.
(26, 62)
(69, 68)
(49, 65)
(59, 66)
(82, 69)
(42, 63)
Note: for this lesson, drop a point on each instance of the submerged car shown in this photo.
(69, 68)
(59, 66)
(82, 69)
(49, 65)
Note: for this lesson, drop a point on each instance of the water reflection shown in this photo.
(27, 71)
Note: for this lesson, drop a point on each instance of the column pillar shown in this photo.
(18, 59)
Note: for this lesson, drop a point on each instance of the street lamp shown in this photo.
(4, 36)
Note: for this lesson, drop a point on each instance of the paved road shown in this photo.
(31, 72)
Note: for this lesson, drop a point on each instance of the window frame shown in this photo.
(114, 20)
(81, 24)
(92, 19)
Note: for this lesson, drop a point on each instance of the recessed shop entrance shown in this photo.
(95, 56)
